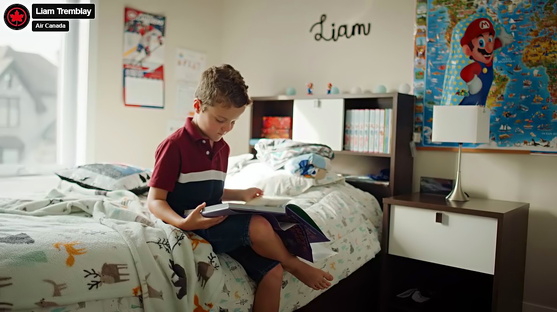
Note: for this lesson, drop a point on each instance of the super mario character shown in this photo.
(479, 43)
(329, 88)
(310, 88)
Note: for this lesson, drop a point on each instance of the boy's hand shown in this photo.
(251, 193)
(196, 221)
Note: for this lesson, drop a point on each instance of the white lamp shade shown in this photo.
(460, 124)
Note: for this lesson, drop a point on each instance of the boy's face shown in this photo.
(216, 121)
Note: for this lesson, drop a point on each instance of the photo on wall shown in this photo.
(435, 186)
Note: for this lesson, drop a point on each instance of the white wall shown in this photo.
(270, 43)
(129, 134)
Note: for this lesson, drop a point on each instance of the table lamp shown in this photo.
(460, 124)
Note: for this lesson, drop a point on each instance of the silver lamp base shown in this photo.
(457, 194)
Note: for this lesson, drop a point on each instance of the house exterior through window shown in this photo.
(38, 79)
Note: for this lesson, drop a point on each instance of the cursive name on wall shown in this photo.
(343, 30)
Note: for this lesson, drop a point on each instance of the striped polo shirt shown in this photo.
(190, 169)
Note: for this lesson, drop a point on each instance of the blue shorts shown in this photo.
(231, 236)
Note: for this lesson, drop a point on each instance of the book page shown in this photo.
(269, 201)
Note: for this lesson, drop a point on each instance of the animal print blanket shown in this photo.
(78, 245)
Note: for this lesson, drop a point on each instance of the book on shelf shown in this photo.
(293, 225)
(367, 130)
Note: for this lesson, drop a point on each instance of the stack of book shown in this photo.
(368, 130)
(275, 127)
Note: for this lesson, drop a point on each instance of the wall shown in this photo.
(128, 134)
(270, 43)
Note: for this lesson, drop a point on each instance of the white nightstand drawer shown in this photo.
(460, 240)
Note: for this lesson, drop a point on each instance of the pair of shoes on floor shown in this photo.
(415, 294)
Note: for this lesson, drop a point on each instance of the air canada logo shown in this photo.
(16, 16)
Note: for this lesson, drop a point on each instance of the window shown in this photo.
(9, 112)
(8, 79)
(39, 75)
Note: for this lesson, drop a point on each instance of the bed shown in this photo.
(64, 247)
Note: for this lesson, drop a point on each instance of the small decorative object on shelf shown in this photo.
(380, 89)
(404, 88)
(329, 88)
(356, 90)
(310, 88)
(290, 91)
(335, 90)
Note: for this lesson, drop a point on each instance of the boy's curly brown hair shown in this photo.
(222, 85)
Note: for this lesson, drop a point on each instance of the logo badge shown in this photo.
(484, 25)
(16, 16)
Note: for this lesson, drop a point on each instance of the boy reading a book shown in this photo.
(190, 167)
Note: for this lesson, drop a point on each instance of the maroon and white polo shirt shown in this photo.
(190, 169)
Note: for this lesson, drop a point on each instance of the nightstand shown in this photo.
(464, 256)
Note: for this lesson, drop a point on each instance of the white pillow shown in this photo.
(235, 163)
(249, 176)
(284, 183)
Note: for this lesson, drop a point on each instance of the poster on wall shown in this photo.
(499, 54)
(189, 67)
(143, 59)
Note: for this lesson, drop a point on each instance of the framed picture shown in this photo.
(435, 186)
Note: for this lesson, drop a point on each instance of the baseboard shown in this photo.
(530, 307)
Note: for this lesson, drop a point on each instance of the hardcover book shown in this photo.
(293, 225)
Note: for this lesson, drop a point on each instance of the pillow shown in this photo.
(108, 177)
(308, 165)
(236, 163)
(284, 183)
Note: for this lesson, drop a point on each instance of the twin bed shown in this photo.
(67, 248)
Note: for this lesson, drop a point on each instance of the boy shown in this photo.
(189, 172)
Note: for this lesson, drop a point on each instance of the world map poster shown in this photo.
(501, 54)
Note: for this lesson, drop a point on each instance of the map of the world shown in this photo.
(521, 79)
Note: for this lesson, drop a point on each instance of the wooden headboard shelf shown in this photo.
(322, 119)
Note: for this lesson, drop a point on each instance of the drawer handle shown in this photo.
(438, 217)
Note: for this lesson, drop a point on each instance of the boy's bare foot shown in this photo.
(313, 277)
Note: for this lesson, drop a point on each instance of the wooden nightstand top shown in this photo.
(475, 206)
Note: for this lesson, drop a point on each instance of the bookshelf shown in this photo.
(321, 119)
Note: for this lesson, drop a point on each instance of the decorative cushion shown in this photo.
(308, 165)
(108, 177)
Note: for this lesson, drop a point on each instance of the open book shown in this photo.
(294, 226)
(263, 204)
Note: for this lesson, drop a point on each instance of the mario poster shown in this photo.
(501, 55)
(470, 69)
(143, 58)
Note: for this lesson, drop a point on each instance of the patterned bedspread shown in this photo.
(81, 250)
(79, 245)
